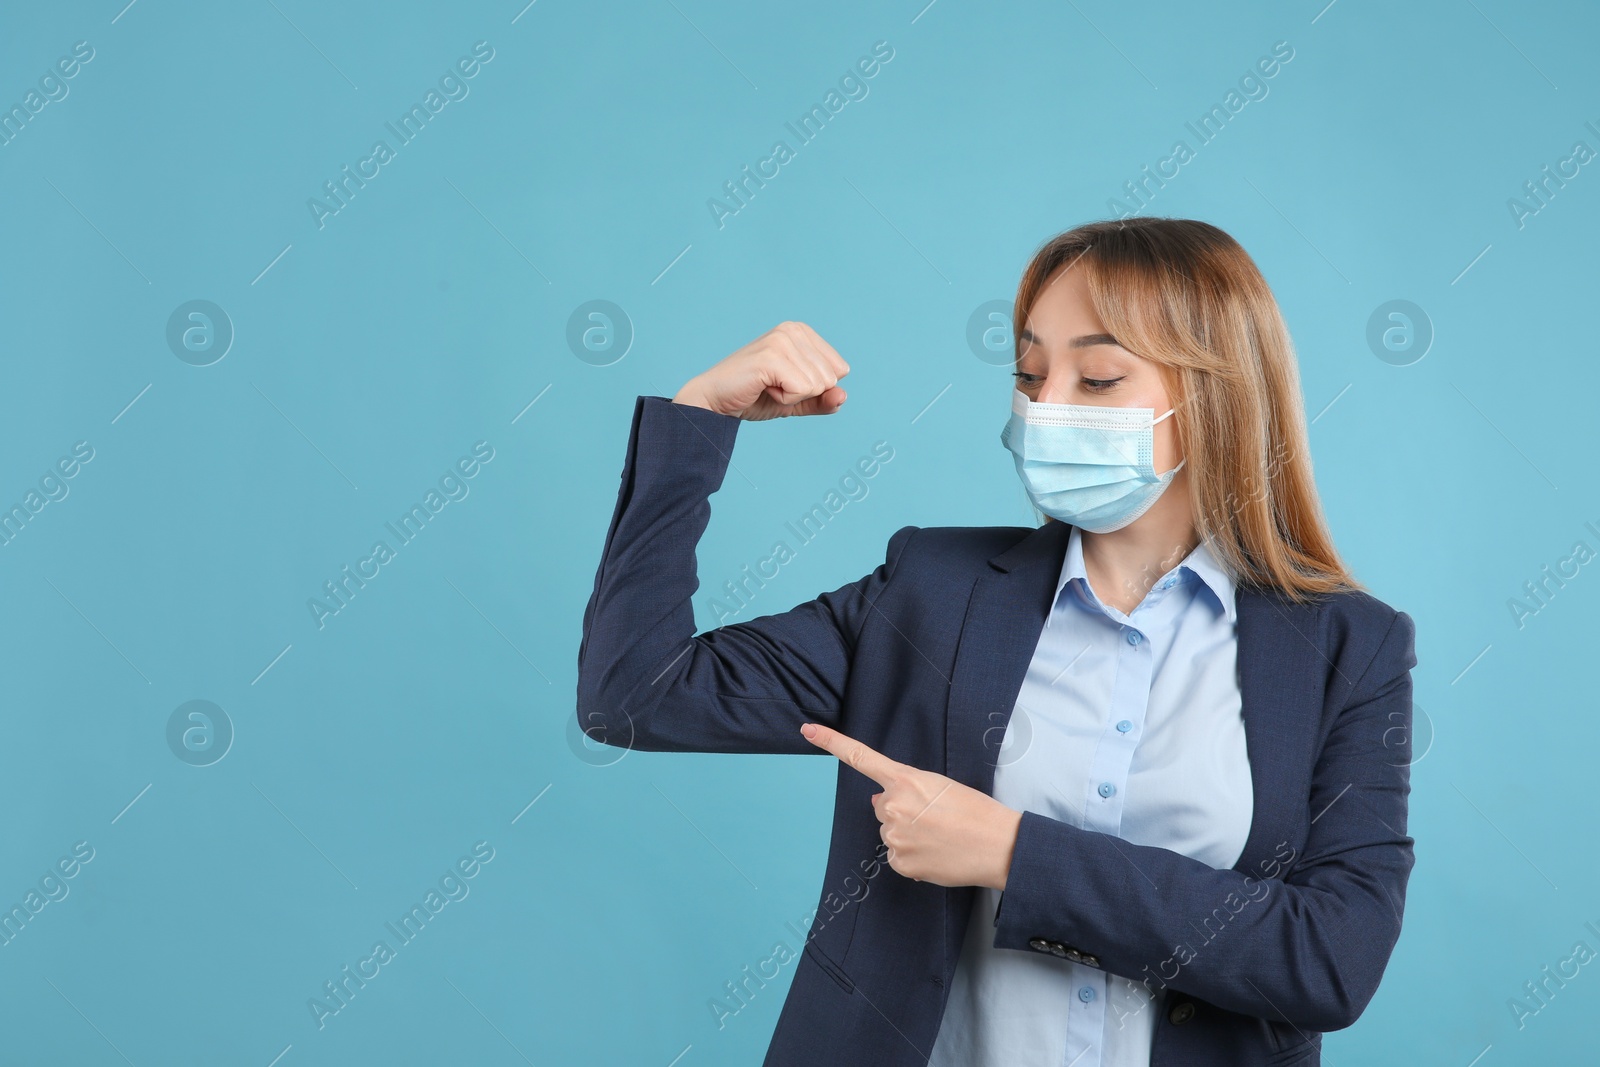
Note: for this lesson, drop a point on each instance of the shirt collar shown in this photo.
(1202, 562)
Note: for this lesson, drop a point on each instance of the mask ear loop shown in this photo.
(1181, 462)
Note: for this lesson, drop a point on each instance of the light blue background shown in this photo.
(427, 314)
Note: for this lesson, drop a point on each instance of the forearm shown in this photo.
(1309, 952)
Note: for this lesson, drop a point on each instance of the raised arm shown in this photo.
(645, 680)
(1309, 949)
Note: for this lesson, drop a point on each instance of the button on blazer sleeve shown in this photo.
(645, 680)
(1309, 949)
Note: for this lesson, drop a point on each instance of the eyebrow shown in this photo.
(1088, 340)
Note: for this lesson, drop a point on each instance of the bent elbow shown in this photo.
(599, 719)
(1337, 1014)
(1344, 995)
(1341, 963)
(602, 719)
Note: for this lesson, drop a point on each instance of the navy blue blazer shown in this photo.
(922, 660)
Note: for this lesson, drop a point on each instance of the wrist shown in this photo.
(693, 395)
(1005, 848)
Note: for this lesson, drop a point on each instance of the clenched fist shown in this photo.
(789, 370)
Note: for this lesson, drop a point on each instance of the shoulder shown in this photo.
(1357, 609)
(955, 546)
(1368, 639)
(1347, 616)
(1358, 613)
(984, 541)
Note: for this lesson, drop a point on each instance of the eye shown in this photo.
(1099, 385)
(1024, 378)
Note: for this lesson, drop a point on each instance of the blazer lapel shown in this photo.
(1005, 615)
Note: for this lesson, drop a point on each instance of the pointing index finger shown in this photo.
(868, 761)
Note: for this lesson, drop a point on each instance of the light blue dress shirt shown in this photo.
(1125, 724)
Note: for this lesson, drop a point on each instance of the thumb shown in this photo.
(826, 402)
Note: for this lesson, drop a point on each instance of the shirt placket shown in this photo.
(1105, 792)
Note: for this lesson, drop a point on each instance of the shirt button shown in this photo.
(1133, 637)
(1086, 994)
(1124, 726)
(1107, 789)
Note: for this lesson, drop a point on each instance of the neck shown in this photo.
(1125, 563)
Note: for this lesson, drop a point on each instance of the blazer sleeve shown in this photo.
(1308, 949)
(646, 681)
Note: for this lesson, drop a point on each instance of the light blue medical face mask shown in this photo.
(1085, 465)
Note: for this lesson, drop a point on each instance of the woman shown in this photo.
(1126, 788)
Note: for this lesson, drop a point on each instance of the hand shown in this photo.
(937, 829)
(789, 370)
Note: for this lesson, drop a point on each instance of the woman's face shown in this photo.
(1068, 358)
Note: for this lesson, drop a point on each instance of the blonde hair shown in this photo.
(1184, 295)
